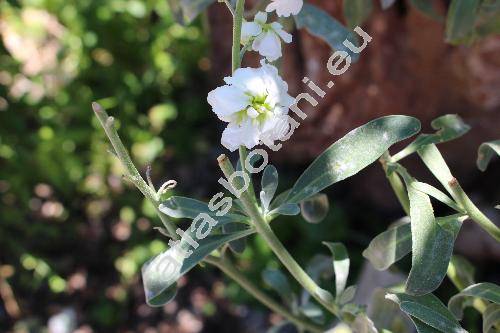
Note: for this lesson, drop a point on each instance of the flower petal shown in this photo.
(249, 30)
(260, 17)
(246, 134)
(278, 28)
(248, 80)
(268, 45)
(226, 101)
(285, 7)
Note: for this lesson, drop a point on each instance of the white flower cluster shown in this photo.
(255, 101)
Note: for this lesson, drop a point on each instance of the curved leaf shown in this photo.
(269, 185)
(315, 208)
(238, 245)
(320, 24)
(486, 152)
(429, 310)
(487, 291)
(390, 246)
(352, 153)
(286, 209)
(491, 318)
(341, 264)
(448, 127)
(161, 273)
(461, 272)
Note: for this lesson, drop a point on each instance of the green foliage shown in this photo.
(486, 291)
(352, 153)
(321, 24)
(427, 313)
(486, 152)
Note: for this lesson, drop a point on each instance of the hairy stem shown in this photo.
(265, 231)
(107, 124)
(230, 270)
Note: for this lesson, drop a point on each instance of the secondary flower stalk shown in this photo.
(264, 38)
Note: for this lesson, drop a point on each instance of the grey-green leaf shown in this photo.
(161, 273)
(460, 20)
(341, 264)
(448, 127)
(487, 291)
(390, 246)
(356, 11)
(287, 209)
(491, 318)
(429, 310)
(432, 245)
(320, 24)
(315, 208)
(185, 11)
(352, 153)
(269, 185)
(279, 282)
(437, 194)
(238, 245)
(182, 207)
(486, 152)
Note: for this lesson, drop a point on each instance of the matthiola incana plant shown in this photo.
(258, 109)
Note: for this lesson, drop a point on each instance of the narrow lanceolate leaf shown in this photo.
(460, 20)
(182, 207)
(286, 209)
(340, 265)
(432, 245)
(161, 273)
(448, 127)
(269, 184)
(315, 208)
(491, 318)
(185, 11)
(320, 24)
(429, 310)
(487, 291)
(352, 153)
(357, 11)
(390, 246)
(437, 194)
(435, 162)
(486, 152)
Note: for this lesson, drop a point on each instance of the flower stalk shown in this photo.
(264, 230)
(230, 270)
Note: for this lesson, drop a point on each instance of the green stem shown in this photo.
(396, 184)
(265, 231)
(108, 124)
(471, 209)
(231, 271)
(237, 22)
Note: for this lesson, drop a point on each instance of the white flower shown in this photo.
(265, 37)
(255, 103)
(285, 7)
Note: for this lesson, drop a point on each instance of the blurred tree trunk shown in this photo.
(406, 69)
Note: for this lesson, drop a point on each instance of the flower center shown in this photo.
(258, 110)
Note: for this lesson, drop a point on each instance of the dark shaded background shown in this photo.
(74, 234)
